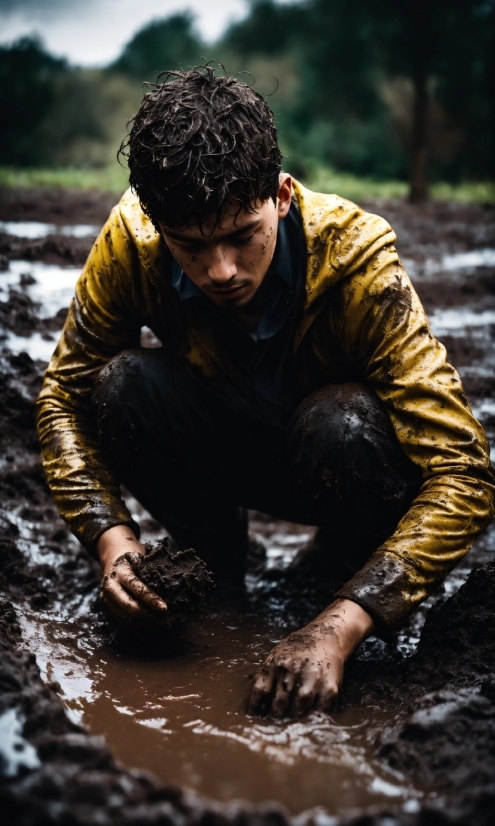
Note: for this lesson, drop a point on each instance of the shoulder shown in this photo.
(128, 213)
(128, 237)
(330, 217)
(341, 238)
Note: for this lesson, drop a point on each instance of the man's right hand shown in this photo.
(123, 593)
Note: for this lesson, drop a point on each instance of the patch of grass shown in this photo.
(481, 193)
(114, 178)
(325, 179)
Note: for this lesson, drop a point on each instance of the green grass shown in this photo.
(113, 178)
(481, 193)
(324, 179)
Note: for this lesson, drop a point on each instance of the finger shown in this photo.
(136, 586)
(328, 696)
(330, 687)
(283, 693)
(305, 695)
(263, 689)
(303, 702)
(124, 605)
(120, 602)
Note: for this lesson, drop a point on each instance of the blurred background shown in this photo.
(373, 98)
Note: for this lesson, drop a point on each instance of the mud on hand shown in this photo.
(127, 598)
(178, 580)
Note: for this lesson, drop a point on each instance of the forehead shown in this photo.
(232, 220)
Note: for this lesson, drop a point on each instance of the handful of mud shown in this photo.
(181, 578)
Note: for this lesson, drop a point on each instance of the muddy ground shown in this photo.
(436, 699)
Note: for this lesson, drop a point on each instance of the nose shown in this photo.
(221, 267)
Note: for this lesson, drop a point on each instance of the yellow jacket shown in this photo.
(362, 320)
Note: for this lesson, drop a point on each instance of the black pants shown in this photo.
(196, 455)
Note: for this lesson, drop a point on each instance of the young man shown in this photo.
(298, 376)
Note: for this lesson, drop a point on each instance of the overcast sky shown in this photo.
(93, 32)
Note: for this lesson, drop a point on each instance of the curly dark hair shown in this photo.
(198, 142)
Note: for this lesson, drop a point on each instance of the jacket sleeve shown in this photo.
(384, 329)
(102, 321)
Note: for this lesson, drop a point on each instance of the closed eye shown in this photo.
(197, 246)
(193, 246)
(238, 242)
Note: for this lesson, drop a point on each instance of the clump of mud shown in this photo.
(446, 744)
(463, 629)
(181, 578)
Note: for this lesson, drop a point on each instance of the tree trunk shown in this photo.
(418, 182)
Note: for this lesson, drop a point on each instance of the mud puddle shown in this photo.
(39, 229)
(180, 713)
(177, 706)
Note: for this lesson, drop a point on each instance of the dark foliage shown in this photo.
(344, 52)
(160, 46)
(27, 74)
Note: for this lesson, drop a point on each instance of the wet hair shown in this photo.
(201, 141)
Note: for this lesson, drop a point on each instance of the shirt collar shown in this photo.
(282, 264)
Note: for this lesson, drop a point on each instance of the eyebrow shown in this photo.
(177, 237)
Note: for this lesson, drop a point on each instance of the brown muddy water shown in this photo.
(175, 705)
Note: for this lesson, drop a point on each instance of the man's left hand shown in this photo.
(305, 671)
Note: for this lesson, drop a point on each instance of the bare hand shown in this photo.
(305, 670)
(123, 593)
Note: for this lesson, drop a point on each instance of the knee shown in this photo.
(342, 439)
(334, 416)
(127, 377)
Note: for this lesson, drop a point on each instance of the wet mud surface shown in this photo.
(413, 738)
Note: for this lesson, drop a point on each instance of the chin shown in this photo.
(235, 302)
(242, 301)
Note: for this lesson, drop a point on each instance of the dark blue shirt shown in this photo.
(264, 362)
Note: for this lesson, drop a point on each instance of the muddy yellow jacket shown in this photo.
(362, 320)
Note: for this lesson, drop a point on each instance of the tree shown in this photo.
(166, 44)
(27, 75)
(344, 53)
(269, 29)
(448, 43)
(335, 115)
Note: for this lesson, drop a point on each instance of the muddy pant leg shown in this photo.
(351, 475)
(158, 432)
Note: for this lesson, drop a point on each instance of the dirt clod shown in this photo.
(181, 578)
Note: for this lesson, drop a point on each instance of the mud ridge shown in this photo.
(54, 249)
(20, 315)
(55, 205)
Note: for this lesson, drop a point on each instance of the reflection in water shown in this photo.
(430, 268)
(456, 319)
(38, 229)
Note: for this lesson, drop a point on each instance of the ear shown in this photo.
(284, 197)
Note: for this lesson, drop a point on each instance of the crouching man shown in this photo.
(298, 376)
